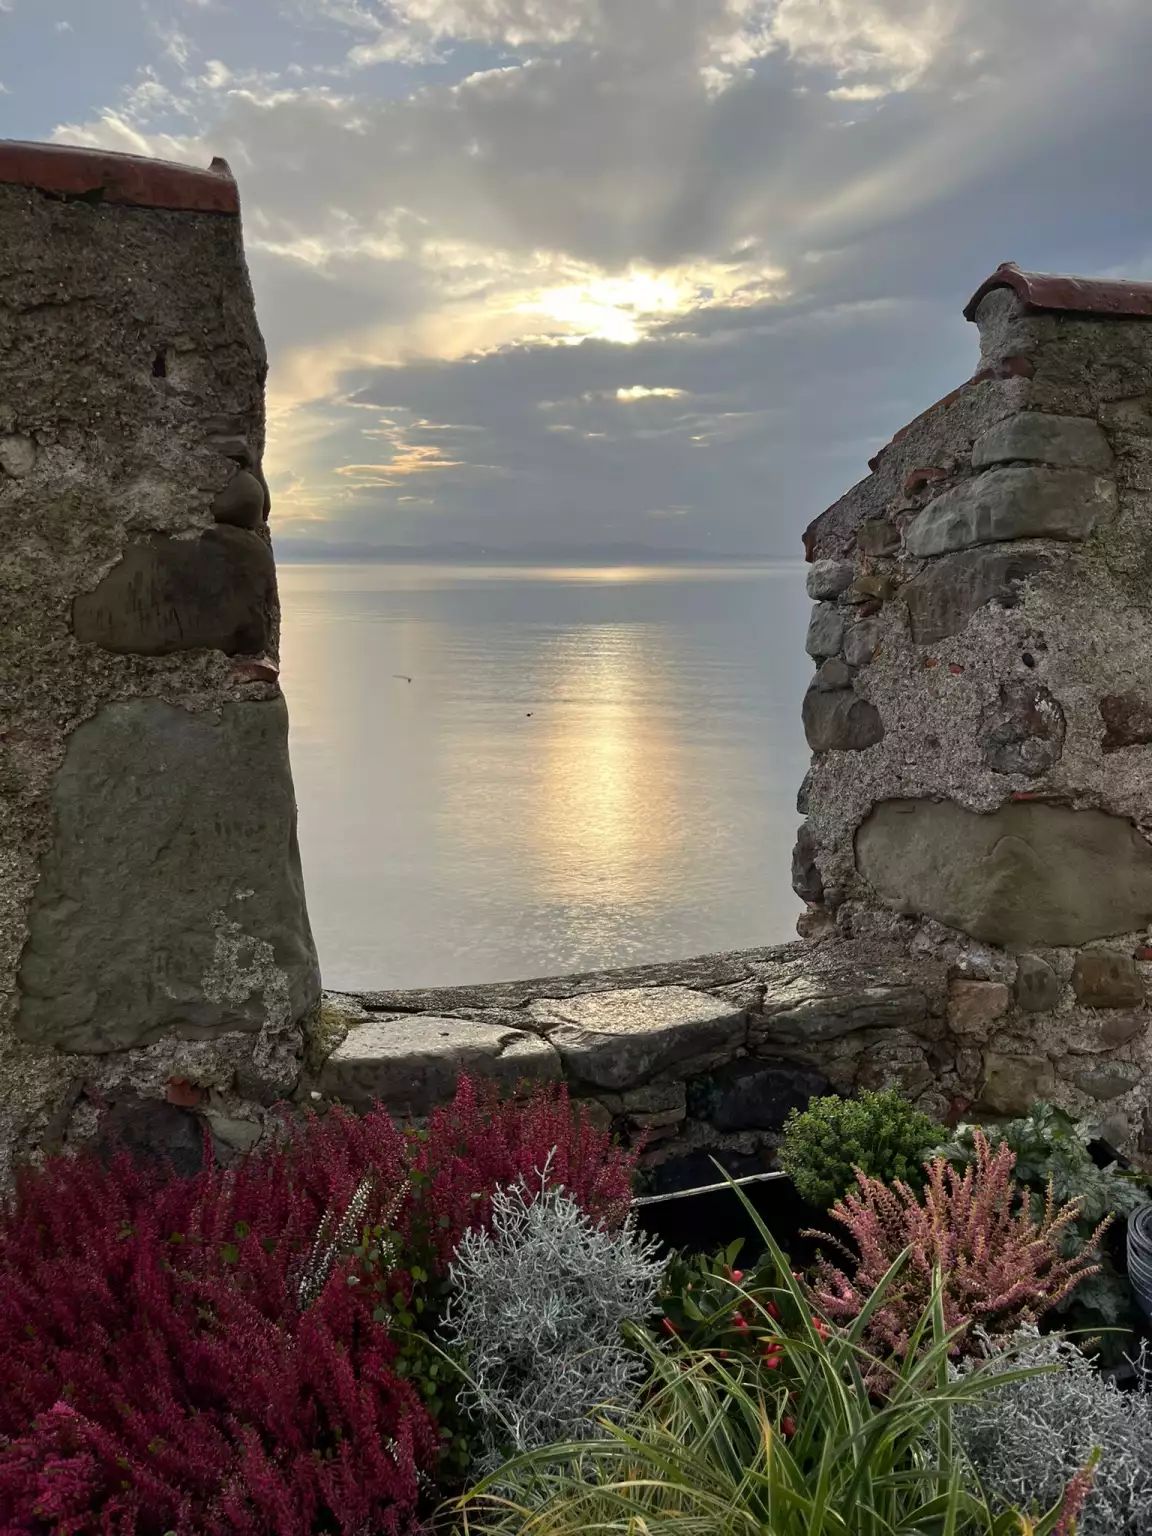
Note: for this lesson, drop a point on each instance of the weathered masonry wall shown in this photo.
(981, 714)
(975, 857)
(154, 942)
(703, 1056)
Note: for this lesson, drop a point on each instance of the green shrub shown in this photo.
(728, 1445)
(879, 1133)
(1051, 1146)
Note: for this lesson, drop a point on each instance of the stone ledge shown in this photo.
(623, 1038)
(704, 972)
(410, 1064)
(628, 1041)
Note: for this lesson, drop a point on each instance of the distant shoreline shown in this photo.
(568, 557)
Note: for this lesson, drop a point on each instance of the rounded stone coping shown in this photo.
(131, 180)
(1053, 290)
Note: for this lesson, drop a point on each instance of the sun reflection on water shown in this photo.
(609, 797)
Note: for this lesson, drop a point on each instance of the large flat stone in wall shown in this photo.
(943, 597)
(622, 1039)
(410, 1064)
(819, 1012)
(1015, 503)
(1026, 874)
(1070, 442)
(170, 901)
(213, 592)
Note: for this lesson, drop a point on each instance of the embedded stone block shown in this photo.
(170, 901)
(803, 794)
(746, 1096)
(834, 674)
(877, 536)
(411, 1063)
(152, 1133)
(840, 721)
(1127, 721)
(1012, 1084)
(18, 457)
(942, 599)
(828, 578)
(241, 503)
(1109, 1080)
(871, 587)
(825, 630)
(975, 1006)
(1024, 732)
(861, 641)
(1026, 874)
(806, 880)
(828, 1013)
(621, 1039)
(1014, 503)
(1101, 979)
(1037, 985)
(1069, 442)
(214, 592)
(1116, 1029)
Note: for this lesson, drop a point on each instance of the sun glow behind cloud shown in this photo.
(625, 307)
(582, 247)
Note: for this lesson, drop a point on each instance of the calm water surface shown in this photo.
(589, 767)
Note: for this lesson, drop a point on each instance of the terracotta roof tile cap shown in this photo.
(132, 180)
(1051, 290)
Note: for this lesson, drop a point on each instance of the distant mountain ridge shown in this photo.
(304, 551)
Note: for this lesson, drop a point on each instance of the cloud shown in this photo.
(615, 265)
(647, 392)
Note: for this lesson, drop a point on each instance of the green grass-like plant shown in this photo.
(882, 1134)
(728, 1446)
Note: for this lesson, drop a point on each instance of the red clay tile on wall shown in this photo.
(1052, 290)
(133, 180)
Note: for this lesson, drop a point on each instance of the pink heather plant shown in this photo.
(1000, 1260)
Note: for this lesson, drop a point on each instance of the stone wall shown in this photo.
(154, 944)
(974, 859)
(705, 1057)
(981, 713)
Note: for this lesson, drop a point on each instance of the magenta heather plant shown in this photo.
(999, 1258)
(479, 1143)
(157, 1369)
(159, 1378)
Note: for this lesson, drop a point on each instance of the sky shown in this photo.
(580, 272)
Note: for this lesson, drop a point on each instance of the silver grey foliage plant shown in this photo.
(536, 1314)
(1028, 1438)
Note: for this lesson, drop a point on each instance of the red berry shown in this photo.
(772, 1361)
(773, 1310)
(737, 1275)
(788, 1427)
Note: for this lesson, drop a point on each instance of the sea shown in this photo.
(507, 772)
